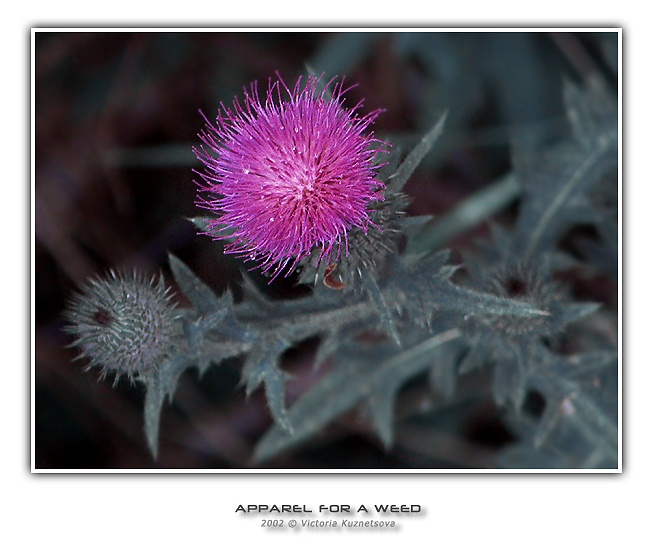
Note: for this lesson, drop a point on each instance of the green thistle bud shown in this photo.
(124, 324)
(530, 282)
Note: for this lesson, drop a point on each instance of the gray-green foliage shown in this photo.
(437, 322)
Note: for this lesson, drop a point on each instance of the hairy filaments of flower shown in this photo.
(124, 324)
(290, 175)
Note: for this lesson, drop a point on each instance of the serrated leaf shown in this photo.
(443, 372)
(592, 111)
(510, 380)
(160, 386)
(380, 406)
(475, 303)
(275, 394)
(210, 352)
(409, 284)
(262, 367)
(254, 296)
(359, 373)
(557, 178)
(475, 357)
(328, 345)
(154, 396)
(503, 377)
(387, 322)
(397, 181)
(326, 401)
(590, 363)
(548, 422)
(569, 386)
(201, 296)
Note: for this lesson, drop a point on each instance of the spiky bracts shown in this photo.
(124, 324)
(368, 249)
(291, 175)
(512, 342)
(530, 282)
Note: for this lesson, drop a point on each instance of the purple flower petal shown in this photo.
(290, 175)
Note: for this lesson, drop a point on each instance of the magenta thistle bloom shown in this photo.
(290, 175)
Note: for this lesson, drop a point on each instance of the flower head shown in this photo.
(290, 175)
(123, 323)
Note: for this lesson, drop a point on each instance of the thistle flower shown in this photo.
(123, 323)
(290, 176)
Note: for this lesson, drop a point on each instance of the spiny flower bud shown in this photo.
(368, 249)
(512, 341)
(123, 323)
(290, 176)
(529, 282)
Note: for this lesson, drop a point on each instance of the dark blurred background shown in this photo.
(116, 115)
